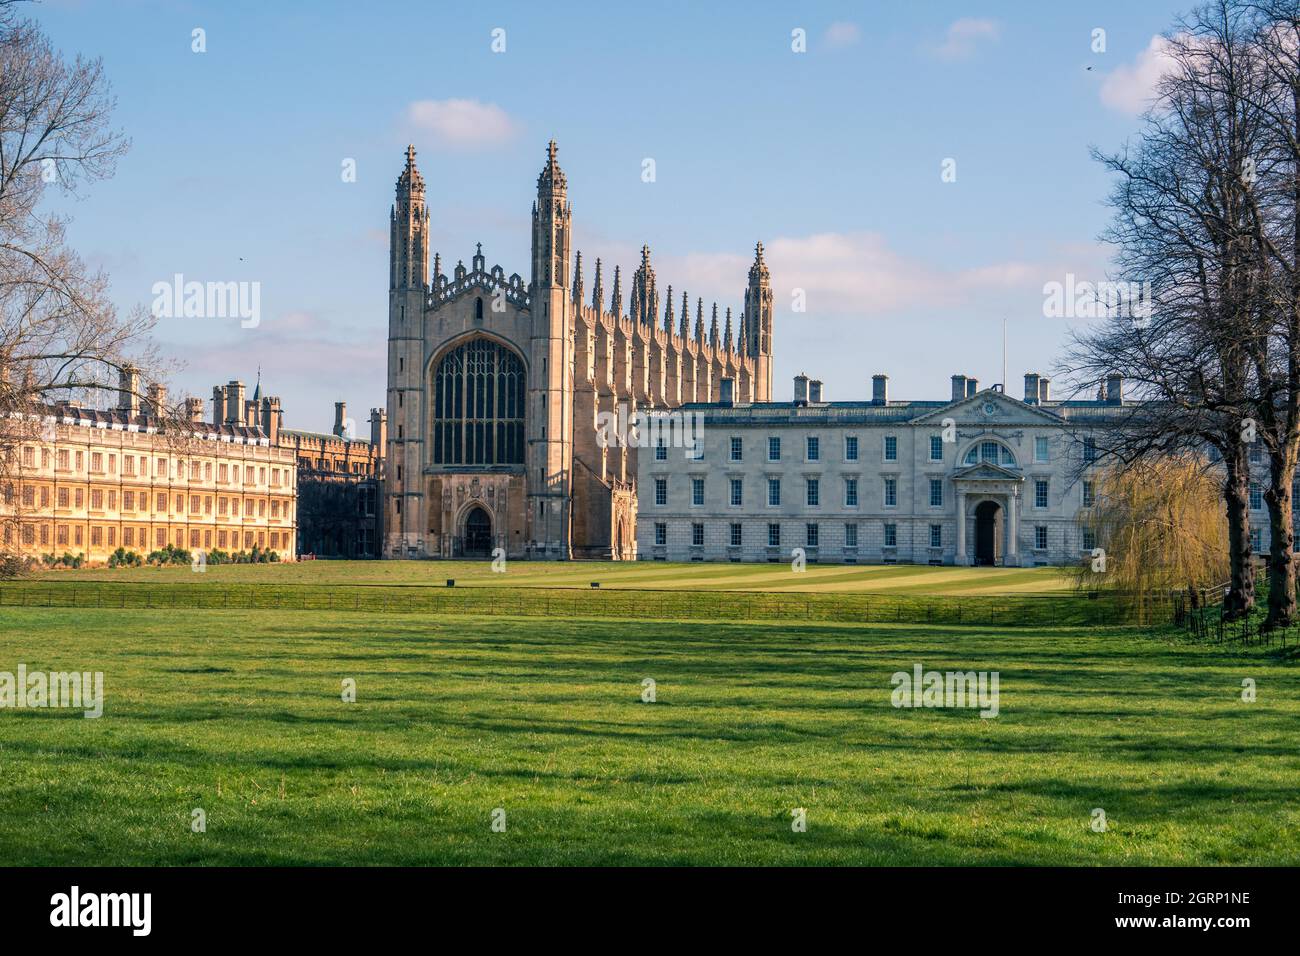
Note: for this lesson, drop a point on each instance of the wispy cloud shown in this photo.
(842, 34)
(308, 359)
(845, 273)
(461, 124)
(1131, 88)
(964, 37)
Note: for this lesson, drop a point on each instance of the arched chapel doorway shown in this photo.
(478, 533)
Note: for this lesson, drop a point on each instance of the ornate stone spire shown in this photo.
(645, 298)
(616, 298)
(699, 321)
(759, 271)
(713, 328)
(410, 177)
(668, 311)
(552, 177)
(598, 291)
(577, 278)
(408, 243)
(552, 227)
(726, 336)
(757, 337)
(740, 335)
(685, 329)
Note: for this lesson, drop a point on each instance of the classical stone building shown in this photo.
(979, 478)
(86, 482)
(338, 475)
(496, 383)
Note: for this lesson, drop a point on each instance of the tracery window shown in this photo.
(478, 406)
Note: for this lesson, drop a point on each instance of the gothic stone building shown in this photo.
(979, 478)
(339, 480)
(338, 475)
(495, 385)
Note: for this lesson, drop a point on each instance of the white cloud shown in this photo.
(842, 34)
(858, 273)
(848, 274)
(1131, 88)
(964, 36)
(461, 124)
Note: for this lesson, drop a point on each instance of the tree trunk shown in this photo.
(1240, 599)
(1281, 548)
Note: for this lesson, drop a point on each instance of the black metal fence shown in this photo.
(1200, 614)
(638, 604)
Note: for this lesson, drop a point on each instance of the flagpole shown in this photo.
(1004, 355)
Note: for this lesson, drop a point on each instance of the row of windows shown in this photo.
(138, 466)
(812, 535)
(987, 451)
(1257, 541)
(812, 492)
(62, 535)
(336, 466)
(131, 501)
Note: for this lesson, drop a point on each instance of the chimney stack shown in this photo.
(218, 404)
(128, 390)
(1031, 388)
(958, 387)
(235, 402)
(815, 391)
(1044, 390)
(194, 410)
(1114, 389)
(972, 386)
(879, 389)
(157, 399)
(272, 418)
(340, 418)
(801, 389)
(379, 429)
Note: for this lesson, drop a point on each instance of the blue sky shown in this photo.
(832, 158)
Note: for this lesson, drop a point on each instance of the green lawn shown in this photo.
(879, 578)
(239, 712)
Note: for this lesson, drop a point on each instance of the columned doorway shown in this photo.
(987, 539)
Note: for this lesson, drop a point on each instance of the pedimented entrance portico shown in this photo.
(988, 498)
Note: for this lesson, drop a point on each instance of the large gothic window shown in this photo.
(478, 406)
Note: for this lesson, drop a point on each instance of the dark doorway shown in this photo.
(478, 534)
(986, 537)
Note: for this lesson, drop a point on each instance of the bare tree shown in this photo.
(61, 340)
(1273, 195)
(1183, 228)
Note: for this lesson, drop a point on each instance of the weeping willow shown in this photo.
(1160, 527)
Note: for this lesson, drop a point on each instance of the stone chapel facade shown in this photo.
(496, 382)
